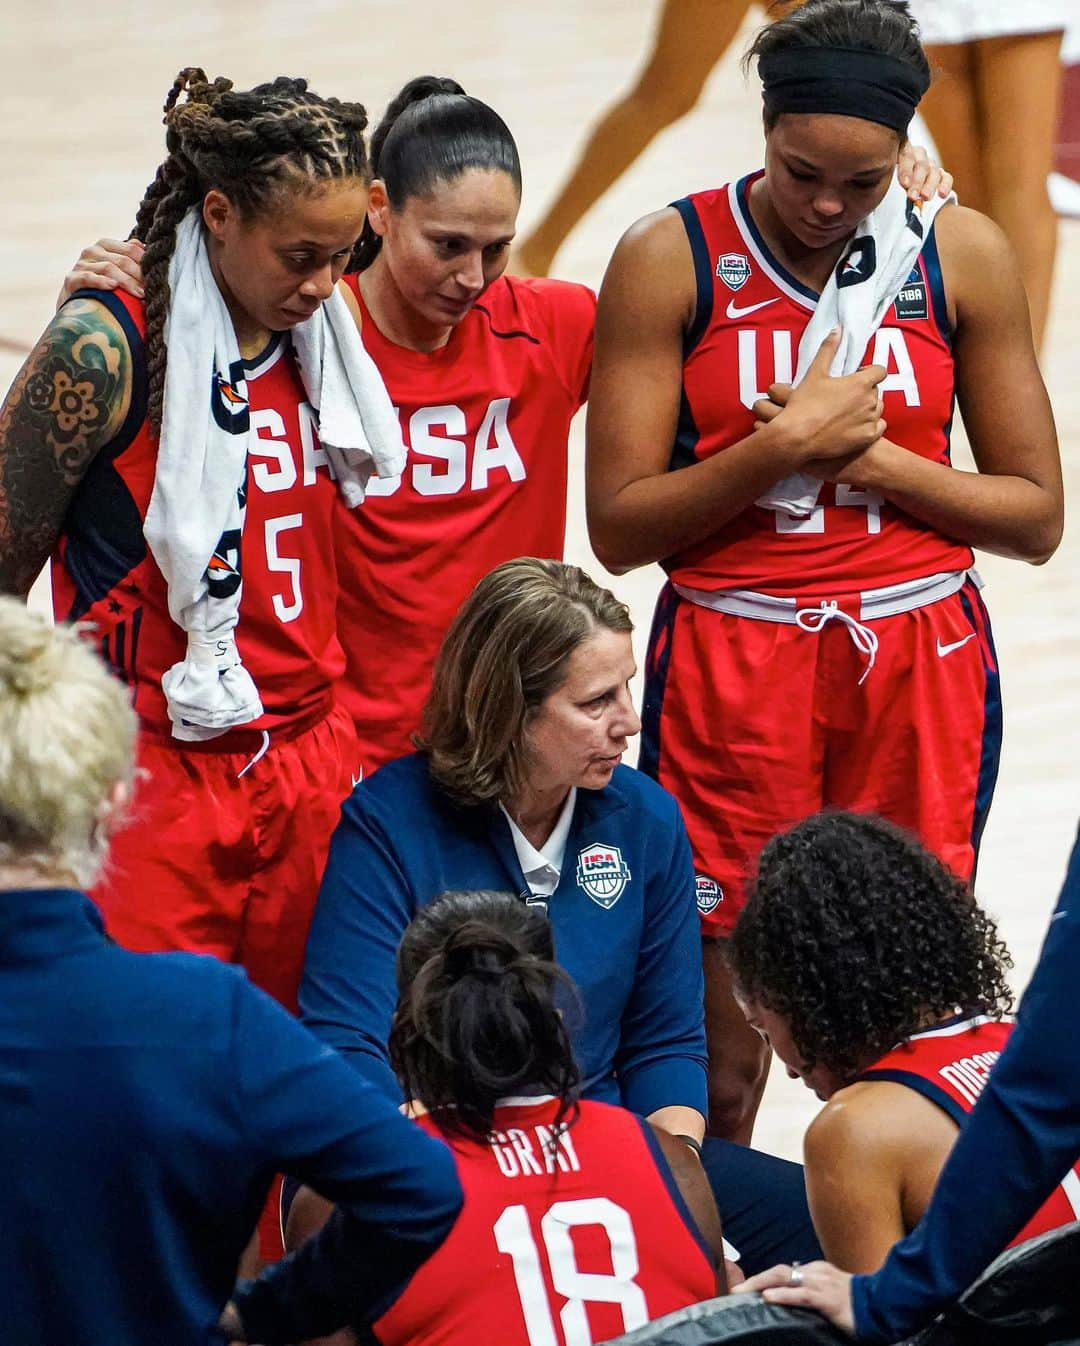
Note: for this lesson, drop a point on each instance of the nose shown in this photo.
(793, 1074)
(470, 272)
(828, 204)
(320, 284)
(627, 722)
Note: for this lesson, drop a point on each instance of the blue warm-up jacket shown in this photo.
(624, 917)
(146, 1101)
(1021, 1139)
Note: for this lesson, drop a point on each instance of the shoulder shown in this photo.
(634, 789)
(867, 1122)
(536, 307)
(180, 994)
(658, 238)
(972, 248)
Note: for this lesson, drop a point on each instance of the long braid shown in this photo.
(248, 145)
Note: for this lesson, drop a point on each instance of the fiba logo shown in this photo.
(602, 874)
(709, 893)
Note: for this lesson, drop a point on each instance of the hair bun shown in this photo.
(29, 656)
(478, 949)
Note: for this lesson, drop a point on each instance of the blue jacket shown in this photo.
(1019, 1142)
(632, 947)
(146, 1101)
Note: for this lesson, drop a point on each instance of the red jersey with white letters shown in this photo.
(750, 316)
(103, 572)
(949, 1066)
(558, 1243)
(486, 419)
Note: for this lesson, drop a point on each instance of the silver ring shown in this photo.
(795, 1276)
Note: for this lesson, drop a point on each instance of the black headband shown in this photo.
(840, 80)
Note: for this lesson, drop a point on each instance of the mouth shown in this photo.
(298, 317)
(826, 230)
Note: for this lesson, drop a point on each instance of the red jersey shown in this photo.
(750, 316)
(486, 420)
(555, 1245)
(103, 572)
(949, 1065)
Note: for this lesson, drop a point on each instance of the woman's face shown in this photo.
(580, 731)
(278, 267)
(444, 249)
(776, 1032)
(824, 173)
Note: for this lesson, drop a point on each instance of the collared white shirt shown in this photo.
(543, 867)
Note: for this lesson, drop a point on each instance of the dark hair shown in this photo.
(885, 27)
(433, 131)
(476, 1019)
(248, 145)
(857, 937)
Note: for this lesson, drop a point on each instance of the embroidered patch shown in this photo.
(911, 302)
(733, 268)
(602, 874)
(709, 894)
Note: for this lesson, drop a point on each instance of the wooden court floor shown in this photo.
(80, 135)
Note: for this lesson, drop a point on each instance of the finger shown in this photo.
(946, 184)
(779, 393)
(765, 1280)
(822, 361)
(124, 247)
(874, 374)
(797, 1295)
(766, 411)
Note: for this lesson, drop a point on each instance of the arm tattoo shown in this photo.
(68, 401)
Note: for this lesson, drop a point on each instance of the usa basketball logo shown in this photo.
(602, 874)
(709, 894)
(733, 268)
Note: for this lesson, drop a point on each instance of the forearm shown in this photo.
(1009, 515)
(679, 1121)
(657, 516)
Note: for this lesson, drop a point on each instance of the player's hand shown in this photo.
(823, 1287)
(108, 264)
(920, 176)
(826, 417)
(231, 1324)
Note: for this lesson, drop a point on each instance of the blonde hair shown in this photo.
(67, 737)
(506, 650)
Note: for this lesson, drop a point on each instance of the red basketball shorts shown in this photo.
(225, 850)
(754, 725)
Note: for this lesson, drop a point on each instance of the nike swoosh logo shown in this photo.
(733, 311)
(943, 650)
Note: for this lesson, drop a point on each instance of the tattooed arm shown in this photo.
(67, 402)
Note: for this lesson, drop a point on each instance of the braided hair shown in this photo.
(247, 145)
(433, 131)
(476, 1019)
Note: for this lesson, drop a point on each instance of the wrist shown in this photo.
(780, 442)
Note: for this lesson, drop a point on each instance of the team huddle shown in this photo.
(323, 702)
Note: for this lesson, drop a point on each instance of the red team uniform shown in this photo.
(228, 837)
(558, 1247)
(486, 419)
(949, 1065)
(761, 705)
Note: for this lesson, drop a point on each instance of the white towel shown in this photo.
(860, 291)
(195, 519)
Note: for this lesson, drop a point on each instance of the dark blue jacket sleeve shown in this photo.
(348, 991)
(661, 1061)
(1020, 1141)
(305, 1112)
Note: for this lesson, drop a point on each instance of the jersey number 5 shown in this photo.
(514, 1237)
(287, 606)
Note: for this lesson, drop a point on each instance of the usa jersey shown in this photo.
(749, 319)
(486, 420)
(565, 1244)
(104, 574)
(949, 1065)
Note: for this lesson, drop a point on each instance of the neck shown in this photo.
(813, 266)
(15, 876)
(392, 315)
(251, 336)
(536, 811)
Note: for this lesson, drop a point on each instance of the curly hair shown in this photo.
(857, 937)
(250, 146)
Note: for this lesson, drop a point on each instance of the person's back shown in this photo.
(585, 1227)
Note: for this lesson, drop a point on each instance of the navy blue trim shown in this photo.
(742, 195)
(515, 335)
(253, 365)
(139, 387)
(923, 1086)
(936, 284)
(677, 1198)
(703, 274)
(657, 663)
(993, 718)
(687, 435)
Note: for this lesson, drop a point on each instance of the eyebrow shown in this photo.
(800, 162)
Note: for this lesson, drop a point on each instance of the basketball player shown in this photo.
(879, 982)
(838, 654)
(230, 829)
(572, 1208)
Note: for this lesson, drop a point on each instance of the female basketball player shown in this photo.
(259, 203)
(880, 983)
(621, 1209)
(831, 649)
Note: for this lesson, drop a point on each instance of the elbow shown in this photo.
(1045, 540)
(613, 548)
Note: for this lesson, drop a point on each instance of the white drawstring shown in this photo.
(259, 755)
(864, 640)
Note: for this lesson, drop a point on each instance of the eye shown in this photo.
(496, 249)
(801, 177)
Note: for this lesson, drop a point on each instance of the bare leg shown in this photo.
(738, 1058)
(691, 36)
(951, 109)
(1019, 83)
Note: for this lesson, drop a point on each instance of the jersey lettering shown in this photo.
(891, 352)
(783, 366)
(478, 462)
